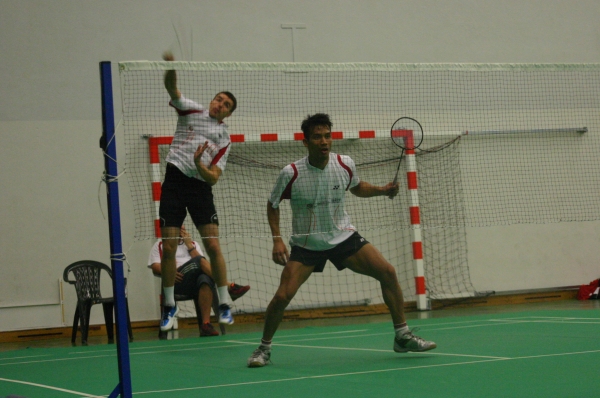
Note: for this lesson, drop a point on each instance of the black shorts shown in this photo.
(180, 193)
(336, 255)
(193, 278)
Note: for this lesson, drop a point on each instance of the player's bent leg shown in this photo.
(293, 276)
(369, 261)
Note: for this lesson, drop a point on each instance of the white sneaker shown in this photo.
(260, 357)
(168, 317)
(225, 316)
(409, 342)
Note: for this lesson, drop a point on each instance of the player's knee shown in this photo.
(169, 248)
(205, 280)
(282, 298)
(388, 274)
(212, 247)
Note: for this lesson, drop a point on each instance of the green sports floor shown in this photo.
(527, 350)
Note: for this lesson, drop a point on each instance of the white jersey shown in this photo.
(181, 257)
(194, 128)
(319, 220)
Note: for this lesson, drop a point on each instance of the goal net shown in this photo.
(503, 144)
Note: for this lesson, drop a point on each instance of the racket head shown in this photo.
(407, 133)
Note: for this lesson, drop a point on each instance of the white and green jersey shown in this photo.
(319, 220)
(194, 128)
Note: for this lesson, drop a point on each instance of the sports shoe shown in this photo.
(236, 291)
(260, 357)
(225, 314)
(168, 317)
(410, 342)
(207, 330)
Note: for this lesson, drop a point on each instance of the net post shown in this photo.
(108, 145)
(422, 300)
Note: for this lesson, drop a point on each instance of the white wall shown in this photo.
(50, 117)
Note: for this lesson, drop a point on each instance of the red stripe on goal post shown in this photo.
(411, 178)
(153, 143)
(420, 285)
(366, 134)
(156, 190)
(415, 217)
(418, 251)
(157, 228)
(268, 137)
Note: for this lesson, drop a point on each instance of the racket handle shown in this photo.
(395, 180)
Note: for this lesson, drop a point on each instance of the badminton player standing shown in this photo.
(316, 186)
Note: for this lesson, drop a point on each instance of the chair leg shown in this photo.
(75, 325)
(85, 321)
(129, 330)
(215, 307)
(108, 309)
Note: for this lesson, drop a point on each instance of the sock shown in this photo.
(401, 329)
(265, 344)
(224, 295)
(169, 299)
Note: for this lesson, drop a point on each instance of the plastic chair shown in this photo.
(215, 307)
(86, 276)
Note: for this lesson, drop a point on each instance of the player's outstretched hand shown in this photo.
(391, 189)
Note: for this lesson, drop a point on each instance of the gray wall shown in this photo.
(52, 205)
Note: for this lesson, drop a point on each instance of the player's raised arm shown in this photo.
(171, 78)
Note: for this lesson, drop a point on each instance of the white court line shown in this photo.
(81, 394)
(57, 360)
(553, 317)
(357, 373)
(550, 321)
(557, 320)
(26, 356)
(169, 347)
(376, 350)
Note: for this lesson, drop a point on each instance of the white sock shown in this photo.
(224, 295)
(169, 298)
(402, 330)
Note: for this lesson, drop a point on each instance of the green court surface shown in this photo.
(550, 353)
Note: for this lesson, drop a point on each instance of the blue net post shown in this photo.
(109, 148)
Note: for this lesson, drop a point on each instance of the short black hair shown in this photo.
(232, 98)
(318, 119)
